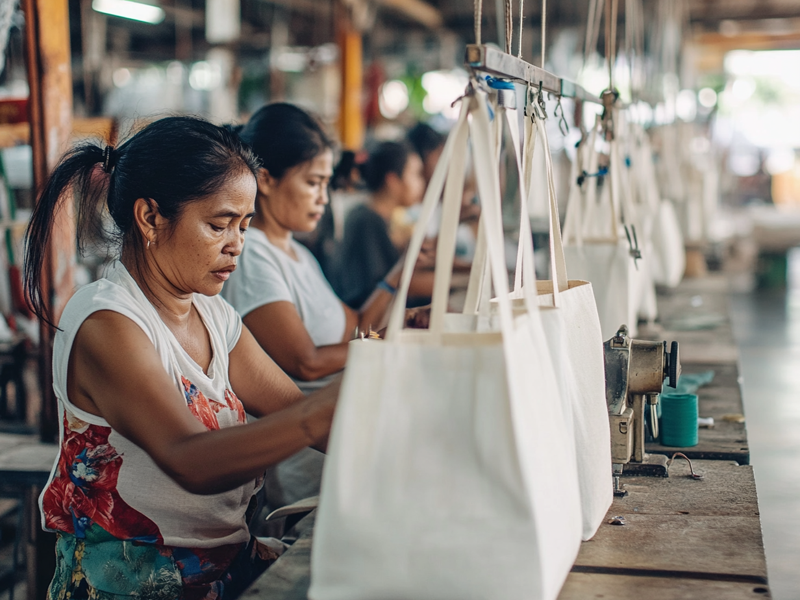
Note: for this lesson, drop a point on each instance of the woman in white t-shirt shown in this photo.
(154, 372)
(280, 290)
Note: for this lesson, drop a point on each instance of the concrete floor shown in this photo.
(767, 328)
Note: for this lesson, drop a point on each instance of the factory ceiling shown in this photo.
(312, 22)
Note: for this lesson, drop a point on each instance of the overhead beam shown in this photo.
(416, 10)
(499, 64)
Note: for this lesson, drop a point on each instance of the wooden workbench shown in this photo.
(694, 302)
(683, 538)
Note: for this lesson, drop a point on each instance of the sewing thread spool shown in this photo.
(679, 420)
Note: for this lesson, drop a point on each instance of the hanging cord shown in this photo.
(611, 39)
(629, 14)
(521, 22)
(593, 28)
(478, 4)
(544, 28)
(509, 25)
(590, 23)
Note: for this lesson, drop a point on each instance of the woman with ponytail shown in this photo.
(154, 373)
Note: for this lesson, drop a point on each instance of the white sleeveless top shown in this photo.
(103, 479)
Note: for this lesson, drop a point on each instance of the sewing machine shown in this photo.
(635, 374)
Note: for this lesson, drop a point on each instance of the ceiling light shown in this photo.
(127, 9)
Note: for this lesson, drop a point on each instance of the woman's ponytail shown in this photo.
(80, 171)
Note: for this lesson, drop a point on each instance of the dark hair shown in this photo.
(425, 139)
(283, 136)
(342, 171)
(387, 157)
(172, 161)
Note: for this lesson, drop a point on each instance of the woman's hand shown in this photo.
(426, 260)
(418, 318)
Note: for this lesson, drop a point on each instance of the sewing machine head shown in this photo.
(635, 374)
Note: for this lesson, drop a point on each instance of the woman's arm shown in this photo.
(280, 331)
(116, 373)
(373, 311)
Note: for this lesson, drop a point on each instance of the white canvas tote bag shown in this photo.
(446, 446)
(582, 367)
(668, 258)
(572, 326)
(594, 250)
(662, 227)
(636, 217)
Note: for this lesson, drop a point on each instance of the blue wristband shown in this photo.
(387, 287)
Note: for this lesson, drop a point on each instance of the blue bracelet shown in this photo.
(387, 287)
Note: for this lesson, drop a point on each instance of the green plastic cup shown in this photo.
(679, 420)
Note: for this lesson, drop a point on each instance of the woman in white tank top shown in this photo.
(154, 372)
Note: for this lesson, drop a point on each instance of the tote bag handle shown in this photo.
(590, 202)
(573, 222)
(525, 274)
(488, 184)
(429, 202)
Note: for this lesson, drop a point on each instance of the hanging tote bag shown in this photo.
(446, 446)
(582, 366)
(571, 323)
(668, 256)
(636, 219)
(594, 250)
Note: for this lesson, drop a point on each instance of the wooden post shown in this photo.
(351, 117)
(50, 81)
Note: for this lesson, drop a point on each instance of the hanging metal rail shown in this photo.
(497, 63)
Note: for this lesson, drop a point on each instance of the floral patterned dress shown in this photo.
(124, 527)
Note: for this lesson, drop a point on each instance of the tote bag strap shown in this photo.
(621, 187)
(525, 275)
(573, 222)
(446, 244)
(478, 273)
(591, 203)
(481, 298)
(429, 202)
(488, 184)
(535, 127)
(478, 292)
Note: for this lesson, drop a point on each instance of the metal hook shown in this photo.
(563, 126)
(540, 108)
(634, 251)
(473, 85)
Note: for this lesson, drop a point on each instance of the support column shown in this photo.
(47, 55)
(351, 117)
(50, 80)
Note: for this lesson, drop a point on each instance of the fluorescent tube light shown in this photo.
(127, 9)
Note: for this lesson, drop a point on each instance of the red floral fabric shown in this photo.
(200, 406)
(236, 406)
(84, 488)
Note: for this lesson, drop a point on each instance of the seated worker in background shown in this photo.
(394, 176)
(279, 288)
(154, 372)
(428, 143)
